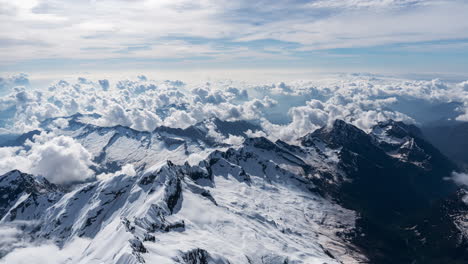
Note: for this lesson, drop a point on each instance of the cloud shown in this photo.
(464, 85)
(220, 138)
(10, 238)
(225, 31)
(254, 134)
(356, 4)
(138, 119)
(179, 119)
(104, 84)
(60, 159)
(286, 110)
(460, 178)
(20, 79)
(127, 169)
(234, 140)
(13, 158)
(463, 117)
(47, 253)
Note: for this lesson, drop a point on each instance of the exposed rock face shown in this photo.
(396, 180)
(342, 196)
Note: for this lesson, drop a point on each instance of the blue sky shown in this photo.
(347, 35)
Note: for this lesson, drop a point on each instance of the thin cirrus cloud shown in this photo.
(226, 32)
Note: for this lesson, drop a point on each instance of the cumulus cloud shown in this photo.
(256, 133)
(179, 119)
(13, 158)
(464, 85)
(138, 119)
(104, 84)
(220, 138)
(60, 159)
(464, 112)
(234, 140)
(20, 79)
(127, 169)
(286, 110)
(460, 178)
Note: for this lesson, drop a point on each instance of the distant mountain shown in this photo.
(451, 139)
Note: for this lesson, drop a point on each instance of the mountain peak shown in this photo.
(260, 142)
(16, 179)
(397, 129)
(338, 134)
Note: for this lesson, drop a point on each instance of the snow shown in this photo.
(248, 203)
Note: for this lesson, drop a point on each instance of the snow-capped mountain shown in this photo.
(340, 195)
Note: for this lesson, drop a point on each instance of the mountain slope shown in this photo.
(341, 196)
(396, 181)
(237, 206)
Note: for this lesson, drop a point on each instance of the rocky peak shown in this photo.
(338, 134)
(20, 190)
(260, 142)
(17, 180)
(396, 129)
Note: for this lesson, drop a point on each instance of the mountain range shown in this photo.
(338, 195)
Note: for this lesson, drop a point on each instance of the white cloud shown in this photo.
(463, 117)
(464, 85)
(460, 178)
(286, 110)
(13, 158)
(234, 140)
(127, 169)
(10, 237)
(179, 119)
(60, 159)
(254, 134)
(220, 138)
(47, 253)
(124, 29)
(13, 81)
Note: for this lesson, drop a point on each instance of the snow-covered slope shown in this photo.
(113, 147)
(238, 206)
(340, 196)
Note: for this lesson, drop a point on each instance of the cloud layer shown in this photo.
(225, 31)
(22, 251)
(284, 110)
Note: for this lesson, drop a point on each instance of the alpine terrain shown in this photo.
(340, 195)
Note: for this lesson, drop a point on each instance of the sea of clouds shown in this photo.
(285, 111)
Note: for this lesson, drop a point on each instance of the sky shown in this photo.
(288, 66)
(385, 36)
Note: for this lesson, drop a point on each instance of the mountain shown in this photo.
(339, 196)
(397, 182)
(113, 147)
(234, 207)
(450, 138)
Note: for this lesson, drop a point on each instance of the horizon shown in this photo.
(181, 131)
